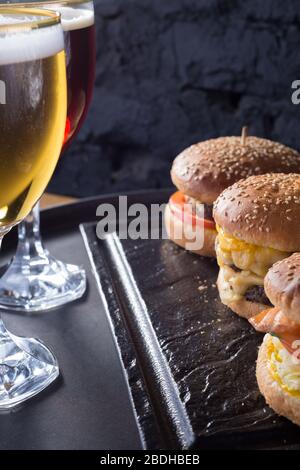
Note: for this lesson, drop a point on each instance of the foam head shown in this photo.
(28, 43)
(73, 18)
(76, 18)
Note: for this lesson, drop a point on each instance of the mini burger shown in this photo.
(204, 170)
(258, 224)
(278, 364)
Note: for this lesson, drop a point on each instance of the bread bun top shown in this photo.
(204, 170)
(282, 286)
(262, 210)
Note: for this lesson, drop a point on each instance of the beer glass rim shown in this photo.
(51, 2)
(49, 18)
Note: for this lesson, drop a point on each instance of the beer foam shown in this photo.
(28, 45)
(76, 18)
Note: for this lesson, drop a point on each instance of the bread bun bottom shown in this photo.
(280, 401)
(174, 225)
(246, 309)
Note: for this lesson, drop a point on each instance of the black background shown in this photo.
(172, 72)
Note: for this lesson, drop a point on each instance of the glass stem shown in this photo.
(29, 236)
(3, 334)
(5, 339)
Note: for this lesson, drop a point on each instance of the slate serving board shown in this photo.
(87, 408)
(189, 361)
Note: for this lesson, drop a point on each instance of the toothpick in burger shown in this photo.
(204, 170)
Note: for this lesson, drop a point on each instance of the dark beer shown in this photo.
(78, 22)
(80, 44)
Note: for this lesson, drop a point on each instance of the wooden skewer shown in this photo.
(244, 135)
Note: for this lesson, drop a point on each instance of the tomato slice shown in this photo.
(291, 342)
(275, 322)
(177, 206)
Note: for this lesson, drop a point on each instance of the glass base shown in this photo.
(26, 368)
(41, 283)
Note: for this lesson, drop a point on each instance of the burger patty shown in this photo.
(257, 294)
(208, 208)
(235, 268)
(208, 212)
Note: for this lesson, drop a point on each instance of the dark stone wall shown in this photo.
(172, 72)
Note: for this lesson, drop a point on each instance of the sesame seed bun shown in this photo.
(282, 286)
(204, 170)
(280, 401)
(174, 225)
(262, 210)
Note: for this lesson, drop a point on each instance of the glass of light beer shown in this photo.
(35, 280)
(32, 125)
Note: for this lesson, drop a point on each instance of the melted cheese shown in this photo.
(233, 285)
(284, 368)
(246, 256)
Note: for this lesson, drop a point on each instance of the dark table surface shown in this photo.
(89, 406)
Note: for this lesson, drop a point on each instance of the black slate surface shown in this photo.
(189, 361)
(88, 407)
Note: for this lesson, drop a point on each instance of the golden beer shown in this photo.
(32, 123)
(32, 120)
(51, 282)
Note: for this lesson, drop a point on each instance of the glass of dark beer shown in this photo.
(35, 280)
(32, 124)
